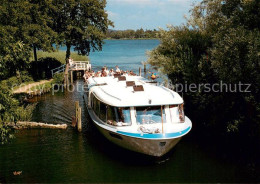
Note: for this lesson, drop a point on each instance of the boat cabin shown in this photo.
(133, 101)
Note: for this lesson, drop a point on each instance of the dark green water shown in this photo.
(68, 156)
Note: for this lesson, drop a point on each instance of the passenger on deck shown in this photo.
(131, 73)
(117, 70)
(153, 76)
(92, 73)
(106, 70)
(111, 72)
(103, 73)
(85, 76)
(98, 74)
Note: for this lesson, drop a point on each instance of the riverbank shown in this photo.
(32, 86)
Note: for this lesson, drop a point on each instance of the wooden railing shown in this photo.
(81, 65)
(58, 69)
(78, 65)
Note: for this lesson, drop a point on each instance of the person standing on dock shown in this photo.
(71, 62)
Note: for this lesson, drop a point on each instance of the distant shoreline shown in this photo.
(132, 39)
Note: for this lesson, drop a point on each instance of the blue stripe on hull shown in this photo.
(156, 136)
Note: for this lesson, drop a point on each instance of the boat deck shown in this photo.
(116, 93)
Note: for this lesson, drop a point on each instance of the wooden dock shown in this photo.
(77, 66)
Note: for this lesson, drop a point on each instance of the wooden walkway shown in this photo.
(78, 66)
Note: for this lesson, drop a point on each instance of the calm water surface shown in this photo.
(68, 156)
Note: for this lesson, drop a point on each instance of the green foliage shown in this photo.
(58, 78)
(29, 20)
(14, 55)
(7, 113)
(220, 42)
(132, 34)
(25, 113)
(82, 24)
(10, 111)
(5, 135)
(26, 77)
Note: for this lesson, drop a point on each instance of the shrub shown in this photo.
(26, 77)
(41, 69)
(58, 78)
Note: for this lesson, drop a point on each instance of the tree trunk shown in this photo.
(35, 53)
(68, 45)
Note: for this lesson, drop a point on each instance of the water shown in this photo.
(127, 54)
(55, 156)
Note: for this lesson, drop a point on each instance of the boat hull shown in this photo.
(154, 147)
(151, 147)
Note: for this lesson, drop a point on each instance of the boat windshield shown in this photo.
(150, 115)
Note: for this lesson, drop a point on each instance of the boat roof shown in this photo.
(116, 93)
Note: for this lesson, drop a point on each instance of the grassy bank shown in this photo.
(60, 56)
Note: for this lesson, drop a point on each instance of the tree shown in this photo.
(80, 23)
(14, 54)
(139, 33)
(28, 21)
(220, 42)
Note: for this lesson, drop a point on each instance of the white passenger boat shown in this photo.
(136, 114)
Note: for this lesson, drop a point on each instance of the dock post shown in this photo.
(78, 116)
(66, 76)
(79, 120)
(71, 77)
(140, 71)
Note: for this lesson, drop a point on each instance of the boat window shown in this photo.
(150, 115)
(96, 105)
(123, 114)
(174, 112)
(111, 115)
(181, 113)
(103, 109)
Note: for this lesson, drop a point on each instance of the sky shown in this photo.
(147, 14)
